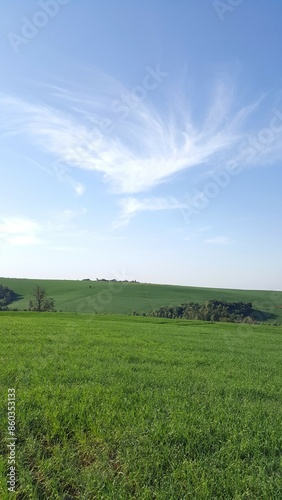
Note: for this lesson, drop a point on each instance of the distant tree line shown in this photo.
(7, 296)
(112, 280)
(212, 310)
(115, 280)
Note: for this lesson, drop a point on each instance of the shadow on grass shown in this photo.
(12, 302)
(263, 315)
(16, 297)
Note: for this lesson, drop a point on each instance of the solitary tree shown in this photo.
(40, 301)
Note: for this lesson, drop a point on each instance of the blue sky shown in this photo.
(142, 140)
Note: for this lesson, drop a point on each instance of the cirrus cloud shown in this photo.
(142, 147)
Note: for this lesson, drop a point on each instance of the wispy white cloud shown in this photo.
(17, 231)
(79, 189)
(63, 221)
(68, 214)
(219, 240)
(133, 146)
(131, 206)
(204, 229)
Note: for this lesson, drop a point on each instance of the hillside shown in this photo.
(124, 298)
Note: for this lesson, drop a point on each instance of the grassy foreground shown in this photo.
(112, 407)
(124, 298)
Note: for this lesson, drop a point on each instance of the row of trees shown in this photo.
(212, 310)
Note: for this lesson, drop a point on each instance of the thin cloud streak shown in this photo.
(218, 240)
(131, 206)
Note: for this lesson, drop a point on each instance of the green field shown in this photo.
(124, 298)
(119, 407)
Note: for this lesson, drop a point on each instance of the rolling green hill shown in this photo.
(124, 298)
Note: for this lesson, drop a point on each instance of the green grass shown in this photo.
(112, 407)
(76, 296)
